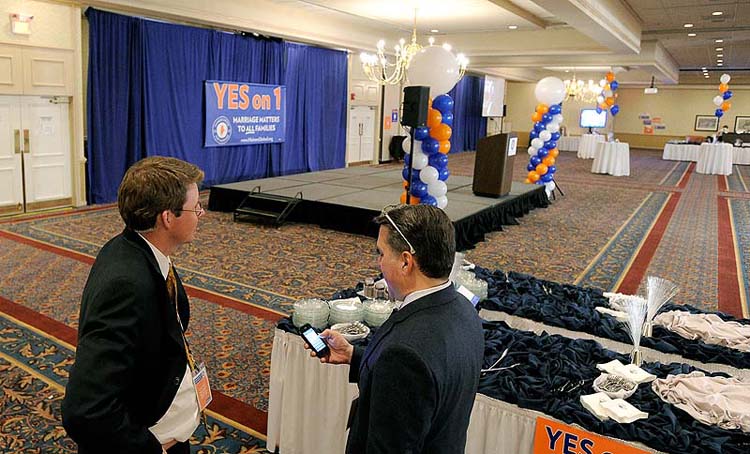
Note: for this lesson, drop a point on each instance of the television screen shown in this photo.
(493, 99)
(591, 119)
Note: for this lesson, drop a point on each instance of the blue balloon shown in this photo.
(543, 152)
(407, 160)
(550, 144)
(448, 118)
(555, 109)
(428, 200)
(531, 166)
(727, 94)
(547, 177)
(538, 126)
(551, 169)
(598, 109)
(421, 133)
(719, 113)
(555, 136)
(419, 189)
(615, 110)
(535, 161)
(430, 146)
(443, 103)
(414, 175)
(443, 174)
(533, 134)
(546, 118)
(613, 85)
(438, 160)
(539, 181)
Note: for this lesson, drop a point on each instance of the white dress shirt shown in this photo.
(183, 415)
(413, 296)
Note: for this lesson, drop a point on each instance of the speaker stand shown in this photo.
(411, 165)
(557, 187)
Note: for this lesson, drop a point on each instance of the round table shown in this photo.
(715, 159)
(587, 145)
(681, 152)
(612, 158)
(568, 143)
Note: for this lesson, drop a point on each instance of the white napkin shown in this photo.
(622, 412)
(593, 403)
(631, 371)
(619, 315)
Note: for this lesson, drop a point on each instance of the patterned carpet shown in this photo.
(605, 232)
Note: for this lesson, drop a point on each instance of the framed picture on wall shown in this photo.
(707, 123)
(741, 124)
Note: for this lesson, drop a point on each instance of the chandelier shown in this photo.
(380, 69)
(581, 91)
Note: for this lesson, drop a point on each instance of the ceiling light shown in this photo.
(434, 30)
(717, 13)
(567, 70)
(719, 55)
(691, 34)
(651, 90)
(512, 27)
(688, 25)
(719, 49)
(719, 41)
(704, 68)
(720, 64)
(719, 61)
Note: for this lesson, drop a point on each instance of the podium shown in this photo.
(493, 165)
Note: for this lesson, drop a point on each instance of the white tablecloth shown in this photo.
(612, 158)
(309, 406)
(715, 158)
(681, 152)
(568, 143)
(587, 145)
(741, 156)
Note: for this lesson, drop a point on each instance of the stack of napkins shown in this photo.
(620, 316)
(604, 408)
(631, 371)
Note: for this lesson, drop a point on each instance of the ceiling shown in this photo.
(521, 40)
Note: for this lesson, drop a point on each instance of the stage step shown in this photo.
(259, 206)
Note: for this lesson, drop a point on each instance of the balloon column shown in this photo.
(721, 101)
(547, 118)
(430, 160)
(608, 98)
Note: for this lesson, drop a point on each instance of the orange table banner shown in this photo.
(552, 437)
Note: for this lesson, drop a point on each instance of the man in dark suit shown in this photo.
(418, 376)
(131, 387)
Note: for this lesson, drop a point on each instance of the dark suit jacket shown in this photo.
(418, 378)
(130, 358)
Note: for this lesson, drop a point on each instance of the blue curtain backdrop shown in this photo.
(468, 124)
(146, 98)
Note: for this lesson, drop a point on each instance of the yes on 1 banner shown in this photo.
(240, 113)
(552, 437)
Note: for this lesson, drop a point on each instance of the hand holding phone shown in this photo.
(314, 341)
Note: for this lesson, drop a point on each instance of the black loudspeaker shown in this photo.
(416, 100)
(505, 110)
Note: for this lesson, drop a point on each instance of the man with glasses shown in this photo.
(418, 375)
(131, 388)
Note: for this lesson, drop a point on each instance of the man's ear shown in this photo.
(407, 261)
(165, 219)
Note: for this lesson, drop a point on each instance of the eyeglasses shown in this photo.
(199, 211)
(384, 212)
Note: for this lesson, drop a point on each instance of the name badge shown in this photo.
(202, 388)
(474, 299)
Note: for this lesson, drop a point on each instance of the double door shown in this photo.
(361, 143)
(35, 154)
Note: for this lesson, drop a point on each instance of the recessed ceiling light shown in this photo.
(719, 61)
(720, 64)
(691, 34)
(719, 55)
(719, 49)
(567, 70)
(719, 41)
(512, 27)
(688, 25)
(434, 30)
(717, 13)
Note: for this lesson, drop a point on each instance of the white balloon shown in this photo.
(718, 100)
(406, 145)
(725, 78)
(550, 90)
(545, 135)
(549, 187)
(429, 175)
(420, 160)
(434, 67)
(557, 118)
(442, 202)
(600, 99)
(531, 151)
(437, 188)
(552, 127)
(536, 143)
(607, 93)
(602, 82)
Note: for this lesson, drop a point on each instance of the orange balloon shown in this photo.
(413, 200)
(403, 197)
(723, 87)
(434, 118)
(406, 184)
(541, 169)
(536, 116)
(726, 105)
(548, 161)
(610, 101)
(441, 132)
(542, 108)
(610, 76)
(527, 181)
(533, 176)
(445, 146)
(606, 87)
(429, 103)
(603, 106)
(554, 152)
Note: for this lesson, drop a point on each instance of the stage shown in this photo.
(347, 200)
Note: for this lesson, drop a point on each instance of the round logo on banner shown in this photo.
(221, 130)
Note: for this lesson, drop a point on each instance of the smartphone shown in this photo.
(313, 339)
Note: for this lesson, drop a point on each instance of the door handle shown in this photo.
(17, 141)
(26, 146)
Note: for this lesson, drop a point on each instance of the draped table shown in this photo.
(715, 158)
(587, 145)
(681, 152)
(568, 143)
(612, 158)
(741, 156)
